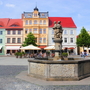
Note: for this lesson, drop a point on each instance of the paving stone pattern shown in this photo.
(9, 82)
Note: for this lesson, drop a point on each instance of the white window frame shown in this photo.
(40, 31)
(13, 41)
(1, 41)
(71, 40)
(26, 22)
(65, 40)
(71, 32)
(8, 40)
(1, 32)
(18, 40)
(65, 32)
(35, 30)
(44, 40)
(40, 40)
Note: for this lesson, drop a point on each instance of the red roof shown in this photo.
(8, 23)
(66, 22)
(15, 23)
(3, 22)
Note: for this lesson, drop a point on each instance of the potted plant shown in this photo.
(48, 53)
(65, 55)
(23, 54)
(17, 54)
(20, 54)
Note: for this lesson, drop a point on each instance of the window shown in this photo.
(65, 31)
(44, 40)
(18, 40)
(35, 14)
(65, 40)
(40, 31)
(71, 32)
(26, 22)
(8, 32)
(40, 40)
(35, 21)
(26, 31)
(44, 31)
(40, 21)
(71, 40)
(8, 40)
(30, 30)
(13, 40)
(30, 22)
(19, 31)
(1, 32)
(52, 32)
(44, 22)
(35, 30)
(14, 32)
(1, 26)
(0, 40)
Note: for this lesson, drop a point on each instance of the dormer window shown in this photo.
(1, 26)
(14, 25)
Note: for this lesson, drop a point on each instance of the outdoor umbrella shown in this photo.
(30, 47)
(50, 48)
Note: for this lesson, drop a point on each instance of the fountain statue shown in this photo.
(58, 40)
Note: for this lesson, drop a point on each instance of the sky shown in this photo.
(79, 10)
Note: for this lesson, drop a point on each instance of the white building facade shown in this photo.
(69, 34)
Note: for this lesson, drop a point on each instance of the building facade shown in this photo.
(14, 31)
(14, 36)
(3, 24)
(37, 23)
(69, 33)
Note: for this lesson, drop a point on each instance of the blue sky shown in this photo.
(79, 10)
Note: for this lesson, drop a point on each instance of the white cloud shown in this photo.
(80, 16)
(10, 5)
(1, 2)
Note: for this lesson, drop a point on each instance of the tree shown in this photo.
(83, 39)
(30, 39)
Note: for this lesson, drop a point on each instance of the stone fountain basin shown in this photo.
(65, 70)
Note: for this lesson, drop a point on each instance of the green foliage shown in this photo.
(83, 38)
(23, 53)
(30, 39)
(17, 54)
(64, 54)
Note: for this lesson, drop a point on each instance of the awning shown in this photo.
(12, 47)
(0, 47)
(71, 48)
(42, 47)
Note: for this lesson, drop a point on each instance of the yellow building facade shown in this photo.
(37, 23)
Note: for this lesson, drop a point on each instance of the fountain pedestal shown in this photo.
(58, 48)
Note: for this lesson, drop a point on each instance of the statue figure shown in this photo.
(57, 30)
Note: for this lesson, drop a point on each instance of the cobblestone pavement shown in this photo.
(10, 67)
(9, 82)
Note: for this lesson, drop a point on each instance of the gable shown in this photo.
(66, 22)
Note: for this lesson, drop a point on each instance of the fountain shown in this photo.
(57, 69)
